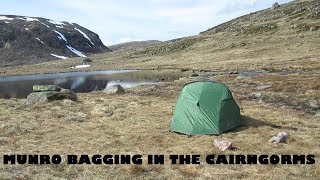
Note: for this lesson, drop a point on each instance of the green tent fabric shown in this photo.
(205, 107)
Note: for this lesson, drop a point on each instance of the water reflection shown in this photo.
(21, 86)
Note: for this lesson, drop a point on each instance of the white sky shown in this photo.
(120, 21)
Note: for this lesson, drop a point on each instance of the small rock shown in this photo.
(242, 77)
(263, 87)
(314, 104)
(275, 5)
(255, 95)
(317, 114)
(234, 72)
(194, 75)
(222, 145)
(116, 89)
(280, 138)
(206, 75)
(75, 118)
(313, 28)
(87, 60)
(184, 69)
(109, 113)
(42, 88)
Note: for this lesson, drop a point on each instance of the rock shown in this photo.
(76, 118)
(255, 95)
(242, 77)
(222, 145)
(46, 96)
(313, 28)
(234, 72)
(206, 75)
(185, 69)
(263, 87)
(275, 6)
(42, 88)
(68, 94)
(194, 75)
(116, 89)
(314, 105)
(280, 138)
(87, 60)
(317, 114)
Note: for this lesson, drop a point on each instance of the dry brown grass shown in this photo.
(138, 123)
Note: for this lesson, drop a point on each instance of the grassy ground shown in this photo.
(138, 123)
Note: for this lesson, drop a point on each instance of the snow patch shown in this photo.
(83, 66)
(61, 57)
(61, 36)
(76, 51)
(6, 22)
(44, 24)
(40, 40)
(26, 29)
(29, 19)
(5, 18)
(84, 35)
(58, 26)
(89, 45)
(56, 22)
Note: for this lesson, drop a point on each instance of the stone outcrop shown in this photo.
(116, 89)
(46, 93)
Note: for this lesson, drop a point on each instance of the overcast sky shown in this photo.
(120, 21)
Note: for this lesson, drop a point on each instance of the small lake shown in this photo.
(83, 82)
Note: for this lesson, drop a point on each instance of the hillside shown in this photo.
(132, 45)
(29, 40)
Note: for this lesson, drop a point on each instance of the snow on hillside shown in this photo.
(54, 39)
(40, 40)
(61, 57)
(76, 51)
(84, 35)
(5, 18)
(61, 36)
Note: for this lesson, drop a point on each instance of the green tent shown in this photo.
(205, 107)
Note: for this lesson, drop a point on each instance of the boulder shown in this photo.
(86, 60)
(313, 28)
(43, 88)
(234, 72)
(116, 89)
(51, 95)
(314, 104)
(260, 88)
(275, 5)
(222, 145)
(255, 95)
(280, 138)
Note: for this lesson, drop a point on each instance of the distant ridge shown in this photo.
(28, 40)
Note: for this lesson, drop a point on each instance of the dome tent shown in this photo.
(205, 107)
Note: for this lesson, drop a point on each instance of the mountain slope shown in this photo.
(132, 45)
(28, 40)
(284, 38)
